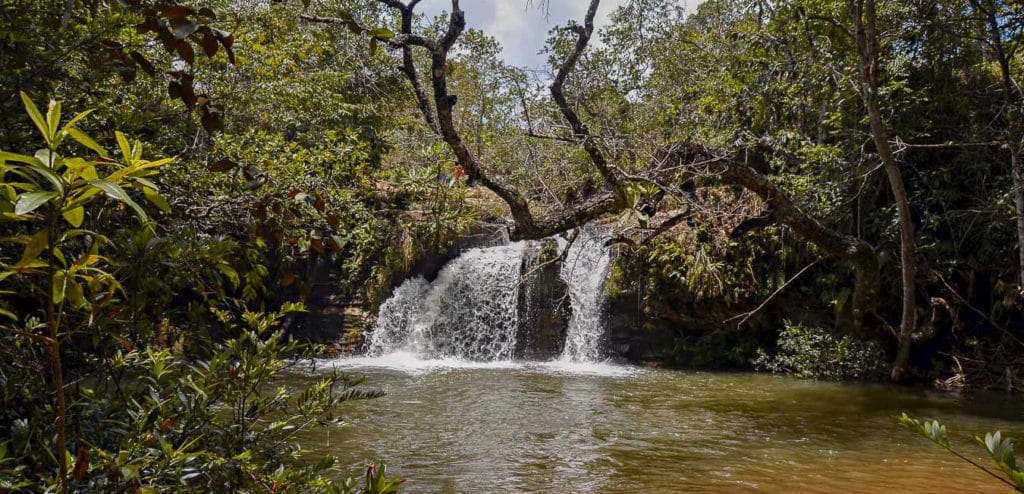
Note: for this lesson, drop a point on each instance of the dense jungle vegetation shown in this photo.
(832, 188)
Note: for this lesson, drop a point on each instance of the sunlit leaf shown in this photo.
(122, 143)
(115, 192)
(31, 201)
(86, 141)
(157, 200)
(36, 116)
(53, 117)
(74, 216)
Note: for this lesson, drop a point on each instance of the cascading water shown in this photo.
(471, 312)
(584, 271)
(468, 312)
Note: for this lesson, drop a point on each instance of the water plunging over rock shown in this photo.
(513, 301)
(468, 312)
(584, 271)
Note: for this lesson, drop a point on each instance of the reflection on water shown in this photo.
(541, 427)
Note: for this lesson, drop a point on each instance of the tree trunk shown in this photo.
(1011, 96)
(863, 15)
(1018, 189)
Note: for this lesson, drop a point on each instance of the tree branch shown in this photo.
(580, 131)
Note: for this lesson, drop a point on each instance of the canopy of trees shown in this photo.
(851, 164)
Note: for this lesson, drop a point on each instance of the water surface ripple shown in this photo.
(553, 428)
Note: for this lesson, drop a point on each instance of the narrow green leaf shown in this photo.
(115, 192)
(126, 149)
(59, 286)
(36, 116)
(86, 141)
(75, 216)
(53, 117)
(20, 158)
(157, 200)
(31, 201)
(145, 182)
(77, 118)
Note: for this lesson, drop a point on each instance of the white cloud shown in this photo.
(520, 28)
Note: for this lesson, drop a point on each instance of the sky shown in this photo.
(520, 28)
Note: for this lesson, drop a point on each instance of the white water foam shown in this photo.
(469, 312)
(584, 272)
(411, 363)
(467, 318)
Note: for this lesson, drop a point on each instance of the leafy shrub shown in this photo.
(813, 353)
(140, 419)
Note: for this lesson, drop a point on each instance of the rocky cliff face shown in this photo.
(543, 304)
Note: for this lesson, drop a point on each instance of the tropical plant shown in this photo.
(50, 194)
(998, 447)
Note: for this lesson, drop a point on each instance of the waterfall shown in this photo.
(584, 271)
(472, 311)
(468, 312)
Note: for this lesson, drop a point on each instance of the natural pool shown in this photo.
(451, 426)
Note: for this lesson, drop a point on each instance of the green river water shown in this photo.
(455, 427)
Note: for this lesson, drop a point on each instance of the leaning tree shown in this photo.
(676, 169)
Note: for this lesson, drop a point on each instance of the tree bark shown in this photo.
(864, 16)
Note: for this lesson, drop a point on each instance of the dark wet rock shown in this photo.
(543, 304)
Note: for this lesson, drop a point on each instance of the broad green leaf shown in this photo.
(157, 200)
(53, 118)
(75, 216)
(185, 29)
(36, 245)
(36, 116)
(230, 273)
(87, 141)
(115, 192)
(81, 168)
(47, 158)
(76, 294)
(382, 33)
(39, 169)
(30, 201)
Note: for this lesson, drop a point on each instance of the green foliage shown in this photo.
(1000, 449)
(144, 419)
(812, 353)
(222, 424)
